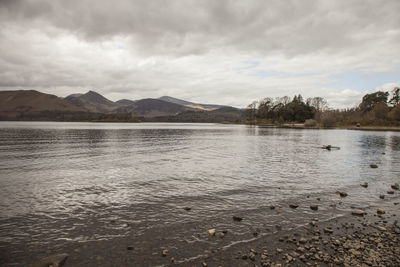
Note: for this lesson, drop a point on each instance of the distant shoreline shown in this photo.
(283, 126)
(301, 126)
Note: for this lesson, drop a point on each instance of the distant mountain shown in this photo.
(150, 107)
(221, 115)
(14, 104)
(93, 102)
(126, 102)
(91, 106)
(190, 104)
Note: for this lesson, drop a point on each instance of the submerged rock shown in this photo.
(380, 211)
(237, 218)
(358, 212)
(211, 232)
(164, 252)
(54, 260)
(373, 165)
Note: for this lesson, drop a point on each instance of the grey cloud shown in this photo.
(192, 49)
(177, 27)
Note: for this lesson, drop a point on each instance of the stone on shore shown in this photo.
(381, 228)
(303, 240)
(373, 165)
(56, 260)
(211, 232)
(358, 212)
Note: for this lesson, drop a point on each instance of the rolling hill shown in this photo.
(93, 102)
(150, 107)
(190, 104)
(14, 104)
(91, 106)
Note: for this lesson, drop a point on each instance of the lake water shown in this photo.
(80, 182)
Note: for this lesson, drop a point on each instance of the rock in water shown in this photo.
(373, 165)
(390, 192)
(365, 185)
(187, 208)
(381, 196)
(211, 232)
(395, 186)
(358, 212)
(164, 252)
(294, 206)
(314, 207)
(237, 218)
(343, 194)
(380, 211)
(57, 260)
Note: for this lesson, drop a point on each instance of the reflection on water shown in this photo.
(61, 177)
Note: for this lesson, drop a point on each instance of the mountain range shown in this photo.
(92, 106)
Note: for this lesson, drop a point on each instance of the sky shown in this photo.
(205, 51)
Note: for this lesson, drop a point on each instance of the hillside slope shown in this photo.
(29, 102)
(93, 102)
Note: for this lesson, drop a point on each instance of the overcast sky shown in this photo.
(216, 51)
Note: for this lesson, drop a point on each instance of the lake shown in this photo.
(84, 182)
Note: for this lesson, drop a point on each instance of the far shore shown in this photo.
(302, 126)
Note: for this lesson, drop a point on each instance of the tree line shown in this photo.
(378, 108)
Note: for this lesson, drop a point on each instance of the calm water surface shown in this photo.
(66, 181)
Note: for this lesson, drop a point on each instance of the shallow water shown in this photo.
(67, 181)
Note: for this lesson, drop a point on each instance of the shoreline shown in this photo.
(330, 242)
(301, 126)
(371, 239)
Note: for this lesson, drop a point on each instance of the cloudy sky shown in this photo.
(226, 52)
